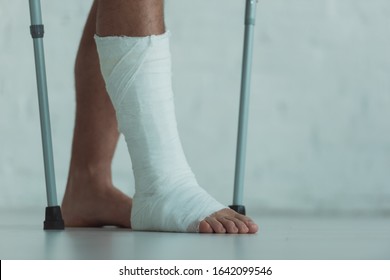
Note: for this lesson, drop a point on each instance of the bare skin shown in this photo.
(90, 197)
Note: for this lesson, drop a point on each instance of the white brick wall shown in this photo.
(319, 133)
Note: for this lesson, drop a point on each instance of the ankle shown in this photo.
(89, 176)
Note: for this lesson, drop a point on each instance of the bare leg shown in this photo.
(142, 18)
(130, 18)
(90, 198)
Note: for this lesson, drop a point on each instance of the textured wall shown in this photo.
(319, 132)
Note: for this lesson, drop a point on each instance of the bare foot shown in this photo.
(92, 204)
(227, 221)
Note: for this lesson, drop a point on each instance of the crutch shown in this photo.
(250, 16)
(53, 217)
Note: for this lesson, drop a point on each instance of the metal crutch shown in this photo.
(53, 217)
(250, 16)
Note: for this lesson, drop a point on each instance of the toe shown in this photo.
(215, 225)
(240, 225)
(204, 227)
(253, 228)
(228, 224)
(251, 225)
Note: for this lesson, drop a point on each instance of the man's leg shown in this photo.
(136, 69)
(90, 198)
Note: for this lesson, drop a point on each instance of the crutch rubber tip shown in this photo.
(53, 218)
(240, 209)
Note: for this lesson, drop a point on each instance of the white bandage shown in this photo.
(137, 72)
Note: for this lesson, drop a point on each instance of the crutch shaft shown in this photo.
(250, 15)
(37, 34)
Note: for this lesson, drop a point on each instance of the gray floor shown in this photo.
(22, 237)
